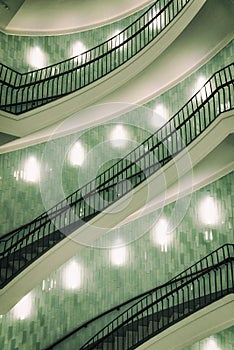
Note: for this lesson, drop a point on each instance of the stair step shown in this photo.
(16, 256)
(50, 240)
(153, 326)
(144, 321)
(104, 346)
(119, 343)
(29, 255)
(142, 331)
(163, 321)
(1, 279)
(131, 338)
(107, 343)
(16, 265)
(132, 326)
(6, 273)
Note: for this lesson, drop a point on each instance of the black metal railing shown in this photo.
(169, 304)
(23, 92)
(22, 246)
(205, 265)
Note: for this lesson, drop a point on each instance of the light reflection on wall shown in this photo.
(72, 276)
(205, 90)
(36, 57)
(208, 211)
(30, 171)
(48, 284)
(225, 106)
(23, 309)
(118, 255)
(119, 136)
(77, 49)
(158, 22)
(160, 116)
(117, 39)
(77, 154)
(211, 344)
(161, 235)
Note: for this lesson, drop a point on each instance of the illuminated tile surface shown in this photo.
(60, 303)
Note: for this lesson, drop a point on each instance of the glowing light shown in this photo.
(158, 22)
(208, 211)
(54, 70)
(36, 57)
(211, 344)
(119, 136)
(48, 285)
(118, 254)
(72, 276)
(23, 308)
(160, 116)
(16, 174)
(77, 49)
(77, 154)
(43, 285)
(30, 172)
(225, 106)
(204, 88)
(117, 39)
(160, 234)
(208, 235)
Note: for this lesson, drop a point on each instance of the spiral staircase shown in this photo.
(209, 281)
(21, 248)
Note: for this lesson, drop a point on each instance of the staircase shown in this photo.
(20, 93)
(21, 247)
(205, 282)
(165, 307)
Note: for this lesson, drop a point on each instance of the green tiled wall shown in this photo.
(56, 309)
(14, 49)
(219, 341)
(21, 201)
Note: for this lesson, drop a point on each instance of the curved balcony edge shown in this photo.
(89, 18)
(203, 323)
(68, 247)
(92, 94)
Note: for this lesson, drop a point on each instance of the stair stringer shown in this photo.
(211, 319)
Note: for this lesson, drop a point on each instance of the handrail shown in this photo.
(214, 77)
(178, 278)
(54, 209)
(218, 284)
(116, 37)
(26, 91)
(186, 125)
(61, 205)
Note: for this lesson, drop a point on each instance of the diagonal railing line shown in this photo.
(162, 298)
(26, 91)
(53, 213)
(157, 14)
(81, 65)
(175, 128)
(53, 216)
(177, 278)
(68, 217)
(102, 335)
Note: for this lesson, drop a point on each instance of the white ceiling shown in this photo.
(43, 17)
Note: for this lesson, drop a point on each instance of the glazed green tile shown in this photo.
(14, 49)
(60, 310)
(219, 341)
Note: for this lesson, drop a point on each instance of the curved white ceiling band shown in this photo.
(56, 17)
